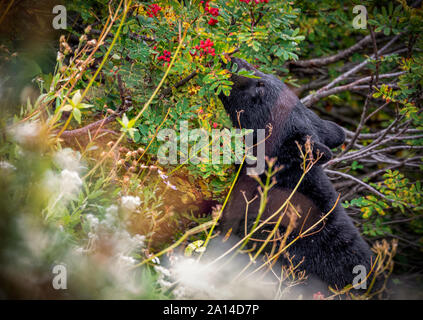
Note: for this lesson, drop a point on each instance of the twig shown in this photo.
(126, 103)
(368, 187)
(318, 62)
(349, 72)
(309, 100)
(376, 111)
(168, 91)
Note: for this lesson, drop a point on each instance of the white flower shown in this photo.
(80, 250)
(92, 236)
(25, 132)
(162, 175)
(92, 221)
(112, 210)
(130, 203)
(59, 56)
(163, 271)
(179, 292)
(70, 182)
(164, 283)
(4, 165)
(110, 218)
(68, 159)
(126, 260)
(62, 187)
(139, 240)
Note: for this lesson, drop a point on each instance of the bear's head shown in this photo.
(254, 103)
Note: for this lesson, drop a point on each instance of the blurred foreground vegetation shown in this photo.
(80, 110)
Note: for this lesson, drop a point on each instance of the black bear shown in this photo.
(331, 253)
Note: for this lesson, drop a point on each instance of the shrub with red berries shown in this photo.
(205, 48)
(205, 34)
(153, 10)
(165, 56)
(213, 11)
(254, 1)
(212, 21)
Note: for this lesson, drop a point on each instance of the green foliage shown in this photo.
(267, 35)
(262, 34)
(399, 196)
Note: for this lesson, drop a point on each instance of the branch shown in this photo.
(168, 91)
(349, 72)
(369, 136)
(377, 173)
(368, 187)
(318, 62)
(88, 128)
(313, 98)
(365, 151)
(131, 35)
(97, 125)
(361, 124)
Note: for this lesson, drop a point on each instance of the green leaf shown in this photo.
(67, 107)
(77, 115)
(84, 106)
(196, 246)
(76, 99)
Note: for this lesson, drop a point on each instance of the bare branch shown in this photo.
(368, 187)
(97, 125)
(318, 62)
(349, 72)
(353, 85)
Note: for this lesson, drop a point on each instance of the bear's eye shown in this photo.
(260, 88)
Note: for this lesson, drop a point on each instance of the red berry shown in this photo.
(212, 21)
(153, 10)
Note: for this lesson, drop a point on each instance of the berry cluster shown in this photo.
(214, 12)
(165, 56)
(205, 48)
(256, 1)
(153, 10)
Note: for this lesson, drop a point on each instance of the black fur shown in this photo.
(330, 254)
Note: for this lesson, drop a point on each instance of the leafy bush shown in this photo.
(79, 158)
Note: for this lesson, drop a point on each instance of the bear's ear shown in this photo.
(328, 132)
(331, 134)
